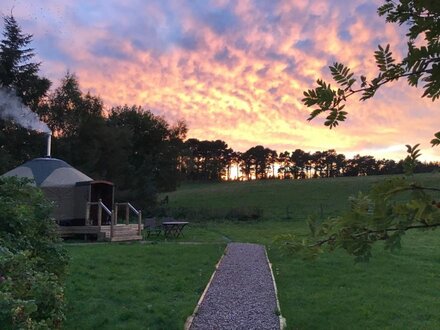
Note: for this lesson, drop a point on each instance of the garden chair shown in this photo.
(152, 226)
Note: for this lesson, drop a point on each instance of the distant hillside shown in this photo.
(273, 199)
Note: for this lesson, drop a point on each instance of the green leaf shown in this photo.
(341, 74)
(314, 113)
(384, 59)
(436, 141)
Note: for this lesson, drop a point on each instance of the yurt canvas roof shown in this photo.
(49, 172)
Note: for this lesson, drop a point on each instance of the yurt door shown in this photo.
(101, 190)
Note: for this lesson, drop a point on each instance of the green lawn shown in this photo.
(397, 290)
(124, 286)
(136, 286)
(392, 291)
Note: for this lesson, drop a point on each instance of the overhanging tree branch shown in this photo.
(384, 214)
(369, 232)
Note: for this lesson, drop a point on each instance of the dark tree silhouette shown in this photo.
(19, 75)
(256, 162)
(17, 71)
(285, 164)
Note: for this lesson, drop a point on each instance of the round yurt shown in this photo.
(68, 188)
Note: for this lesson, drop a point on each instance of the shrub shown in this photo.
(32, 261)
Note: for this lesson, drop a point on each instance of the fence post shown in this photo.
(87, 213)
(116, 213)
(139, 222)
(112, 219)
(127, 214)
(99, 212)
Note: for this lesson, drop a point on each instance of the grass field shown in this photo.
(136, 286)
(392, 291)
(278, 199)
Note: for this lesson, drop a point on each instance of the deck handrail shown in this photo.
(101, 206)
(105, 208)
(128, 207)
(133, 209)
(113, 214)
(100, 203)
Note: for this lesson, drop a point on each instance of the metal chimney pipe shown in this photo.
(49, 143)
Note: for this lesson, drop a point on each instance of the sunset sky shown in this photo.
(233, 70)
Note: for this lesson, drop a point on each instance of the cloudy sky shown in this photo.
(233, 70)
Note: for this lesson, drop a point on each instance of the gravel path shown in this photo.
(241, 294)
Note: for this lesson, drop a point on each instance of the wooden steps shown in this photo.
(124, 233)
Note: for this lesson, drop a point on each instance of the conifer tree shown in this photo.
(17, 71)
(19, 75)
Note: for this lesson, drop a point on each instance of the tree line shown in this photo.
(215, 161)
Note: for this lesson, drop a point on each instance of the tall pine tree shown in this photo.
(19, 74)
(17, 71)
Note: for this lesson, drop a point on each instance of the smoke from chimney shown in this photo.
(13, 109)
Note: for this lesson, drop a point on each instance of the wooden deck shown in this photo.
(121, 232)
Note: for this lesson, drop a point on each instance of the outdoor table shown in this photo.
(173, 228)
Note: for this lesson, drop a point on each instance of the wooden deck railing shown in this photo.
(101, 207)
(129, 207)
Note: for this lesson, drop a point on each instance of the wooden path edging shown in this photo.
(282, 320)
(283, 323)
(190, 318)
